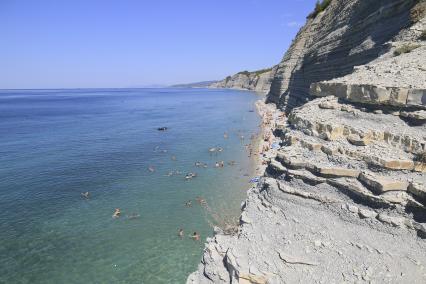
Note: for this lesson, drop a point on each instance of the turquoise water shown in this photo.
(56, 144)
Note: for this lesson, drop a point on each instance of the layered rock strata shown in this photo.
(258, 81)
(332, 206)
(342, 197)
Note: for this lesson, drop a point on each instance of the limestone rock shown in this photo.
(358, 141)
(306, 176)
(381, 184)
(252, 279)
(291, 162)
(417, 189)
(336, 172)
(364, 213)
(417, 115)
(397, 197)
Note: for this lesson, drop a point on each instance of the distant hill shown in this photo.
(203, 84)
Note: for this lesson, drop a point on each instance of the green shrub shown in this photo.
(244, 73)
(257, 73)
(261, 71)
(406, 48)
(319, 7)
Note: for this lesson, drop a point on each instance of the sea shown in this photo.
(70, 157)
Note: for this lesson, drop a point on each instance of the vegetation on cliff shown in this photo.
(257, 72)
(319, 7)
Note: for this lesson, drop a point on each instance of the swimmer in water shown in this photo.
(188, 203)
(201, 201)
(195, 236)
(85, 194)
(180, 233)
(117, 213)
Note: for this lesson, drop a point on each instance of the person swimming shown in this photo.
(188, 203)
(195, 236)
(201, 200)
(180, 233)
(117, 213)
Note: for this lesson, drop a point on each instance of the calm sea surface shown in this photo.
(56, 144)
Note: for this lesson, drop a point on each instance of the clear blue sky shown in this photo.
(130, 43)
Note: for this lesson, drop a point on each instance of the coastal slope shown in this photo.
(342, 195)
(259, 81)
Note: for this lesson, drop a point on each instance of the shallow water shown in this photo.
(56, 144)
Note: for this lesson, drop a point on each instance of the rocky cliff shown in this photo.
(342, 193)
(259, 81)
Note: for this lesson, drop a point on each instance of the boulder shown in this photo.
(364, 213)
(416, 115)
(291, 162)
(397, 197)
(356, 140)
(418, 190)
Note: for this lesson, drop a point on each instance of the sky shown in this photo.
(137, 43)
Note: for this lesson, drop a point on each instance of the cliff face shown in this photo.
(342, 191)
(259, 81)
(349, 33)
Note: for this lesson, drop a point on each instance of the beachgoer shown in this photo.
(117, 213)
(195, 236)
(188, 203)
(212, 150)
(225, 135)
(173, 158)
(190, 176)
(180, 233)
(201, 200)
